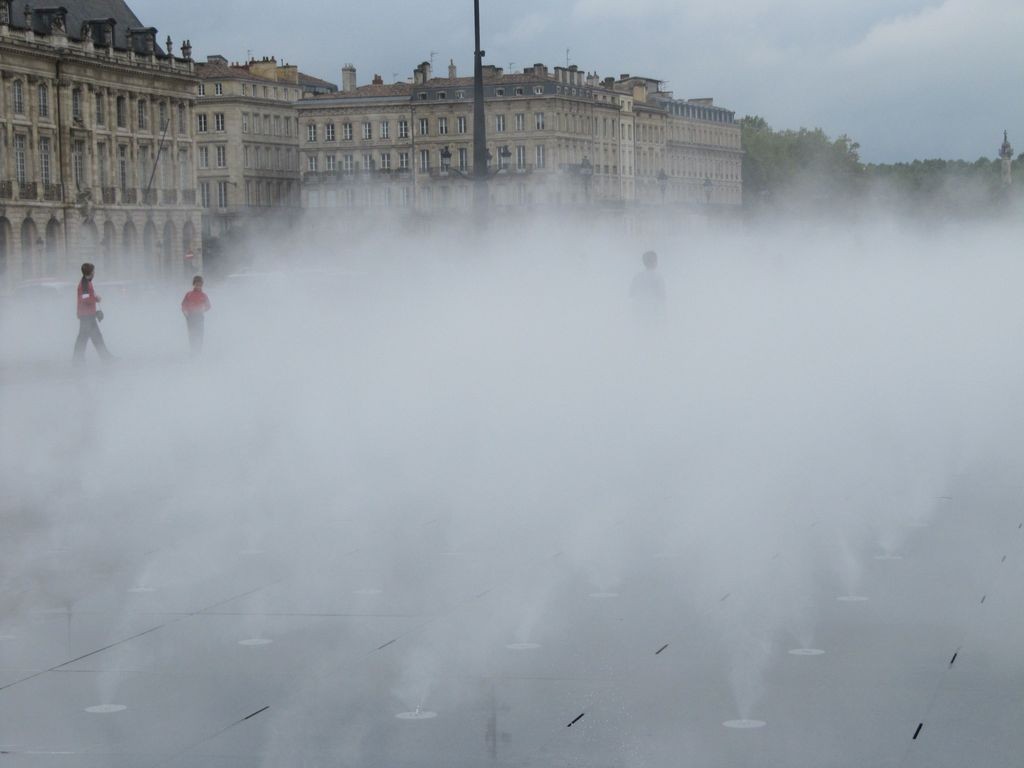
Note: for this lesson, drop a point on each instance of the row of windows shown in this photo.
(383, 161)
(388, 196)
(258, 157)
(253, 90)
(220, 153)
(442, 127)
(351, 197)
(143, 109)
(538, 90)
(270, 125)
(203, 122)
(259, 193)
(270, 158)
(568, 123)
(123, 169)
(710, 114)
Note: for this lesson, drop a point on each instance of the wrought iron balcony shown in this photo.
(129, 196)
(149, 197)
(6, 190)
(188, 197)
(28, 190)
(169, 196)
(109, 195)
(53, 192)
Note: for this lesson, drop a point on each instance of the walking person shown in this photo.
(89, 317)
(648, 290)
(194, 306)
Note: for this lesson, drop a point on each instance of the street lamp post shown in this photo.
(504, 154)
(481, 196)
(586, 171)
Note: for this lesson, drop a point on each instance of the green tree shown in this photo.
(803, 166)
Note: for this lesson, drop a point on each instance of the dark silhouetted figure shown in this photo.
(194, 306)
(89, 317)
(648, 289)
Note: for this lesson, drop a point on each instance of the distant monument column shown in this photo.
(1006, 153)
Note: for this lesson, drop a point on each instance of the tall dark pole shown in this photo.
(479, 118)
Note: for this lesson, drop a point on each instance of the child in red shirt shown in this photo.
(194, 306)
(89, 316)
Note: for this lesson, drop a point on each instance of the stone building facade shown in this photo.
(97, 150)
(247, 136)
(556, 137)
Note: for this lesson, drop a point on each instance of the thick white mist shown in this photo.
(807, 400)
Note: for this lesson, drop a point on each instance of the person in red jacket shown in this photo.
(88, 318)
(194, 306)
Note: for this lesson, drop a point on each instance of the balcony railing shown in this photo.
(53, 192)
(109, 195)
(6, 190)
(188, 197)
(129, 196)
(149, 197)
(169, 196)
(28, 190)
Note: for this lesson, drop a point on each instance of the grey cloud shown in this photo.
(943, 67)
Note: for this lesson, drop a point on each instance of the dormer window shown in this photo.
(499, 91)
(218, 89)
(423, 96)
(460, 94)
(519, 91)
(202, 89)
(442, 95)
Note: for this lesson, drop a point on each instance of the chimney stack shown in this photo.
(452, 72)
(421, 74)
(348, 78)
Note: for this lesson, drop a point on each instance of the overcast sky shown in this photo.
(906, 78)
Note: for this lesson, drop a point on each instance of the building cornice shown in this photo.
(140, 65)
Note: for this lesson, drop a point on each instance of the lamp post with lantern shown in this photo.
(586, 172)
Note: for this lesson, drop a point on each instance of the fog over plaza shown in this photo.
(426, 500)
(481, 482)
